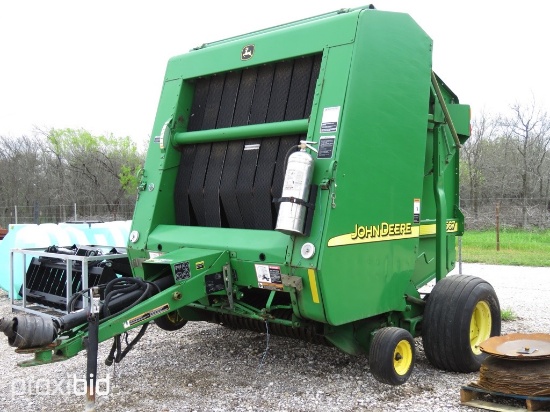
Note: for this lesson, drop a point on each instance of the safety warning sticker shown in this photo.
(329, 123)
(326, 147)
(147, 315)
(416, 211)
(269, 277)
(182, 271)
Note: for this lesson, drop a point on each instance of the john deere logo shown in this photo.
(247, 52)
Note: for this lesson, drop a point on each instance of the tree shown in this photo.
(528, 128)
(22, 172)
(484, 129)
(102, 168)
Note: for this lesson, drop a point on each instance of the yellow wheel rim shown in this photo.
(480, 326)
(402, 357)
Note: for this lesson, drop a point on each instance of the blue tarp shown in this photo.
(62, 234)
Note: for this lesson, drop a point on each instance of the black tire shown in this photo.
(392, 355)
(461, 312)
(171, 321)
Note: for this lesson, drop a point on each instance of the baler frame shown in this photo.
(204, 244)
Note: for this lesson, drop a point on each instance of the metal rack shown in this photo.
(41, 310)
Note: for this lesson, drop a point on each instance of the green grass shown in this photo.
(507, 315)
(517, 247)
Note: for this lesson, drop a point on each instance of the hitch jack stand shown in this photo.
(93, 343)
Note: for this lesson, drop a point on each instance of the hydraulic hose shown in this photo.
(116, 302)
(122, 294)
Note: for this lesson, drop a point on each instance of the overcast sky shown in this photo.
(100, 64)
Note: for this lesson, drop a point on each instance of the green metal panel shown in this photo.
(158, 175)
(186, 263)
(243, 243)
(380, 152)
(295, 39)
(461, 118)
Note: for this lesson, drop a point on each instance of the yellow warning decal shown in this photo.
(313, 285)
(147, 315)
(376, 233)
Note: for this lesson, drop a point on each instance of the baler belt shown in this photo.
(213, 102)
(304, 77)
(183, 180)
(297, 97)
(196, 185)
(232, 184)
(278, 98)
(279, 91)
(230, 213)
(262, 184)
(262, 92)
(204, 189)
(229, 100)
(227, 186)
(244, 98)
(199, 104)
(212, 184)
(245, 181)
(184, 211)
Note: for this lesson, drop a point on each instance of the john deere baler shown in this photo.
(303, 178)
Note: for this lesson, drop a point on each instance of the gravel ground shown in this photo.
(205, 367)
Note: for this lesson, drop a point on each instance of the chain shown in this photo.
(266, 346)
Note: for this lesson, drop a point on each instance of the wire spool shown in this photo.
(518, 364)
(527, 378)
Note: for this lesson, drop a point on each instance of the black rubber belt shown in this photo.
(229, 209)
(296, 107)
(245, 181)
(181, 195)
(260, 208)
(279, 92)
(299, 86)
(228, 194)
(262, 184)
(210, 188)
(197, 182)
(262, 91)
(246, 167)
(244, 98)
(255, 165)
(212, 184)
(182, 201)
(213, 102)
(229, 99)
(199, 103)
(205, 172)
(222, 184)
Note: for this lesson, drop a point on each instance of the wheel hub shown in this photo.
(480, 326)
(402, 357)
